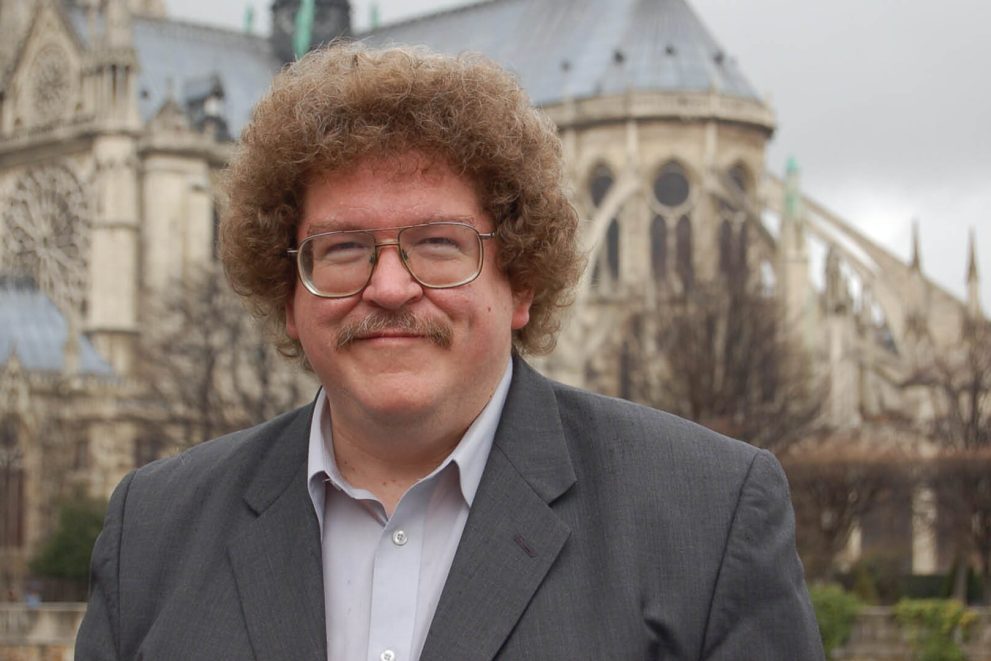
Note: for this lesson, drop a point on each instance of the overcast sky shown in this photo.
(885, 104)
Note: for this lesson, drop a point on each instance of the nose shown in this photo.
(391, 286)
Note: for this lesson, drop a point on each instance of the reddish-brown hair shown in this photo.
(346, 102)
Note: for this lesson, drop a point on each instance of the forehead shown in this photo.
(388, 191)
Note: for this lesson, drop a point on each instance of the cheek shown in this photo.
(310, 317)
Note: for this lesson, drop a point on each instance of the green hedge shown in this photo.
(836, 611)
(65, 554)
(935, 627)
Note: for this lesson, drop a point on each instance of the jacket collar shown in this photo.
(512, 536)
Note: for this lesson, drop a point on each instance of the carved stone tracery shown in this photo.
(46, 236)
(50, 83)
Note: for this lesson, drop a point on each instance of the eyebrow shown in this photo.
(336, 225)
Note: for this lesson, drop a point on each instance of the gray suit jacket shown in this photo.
(601, 530)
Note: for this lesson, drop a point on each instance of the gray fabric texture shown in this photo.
(601, 530)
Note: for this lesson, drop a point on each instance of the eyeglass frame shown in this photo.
(297, 253)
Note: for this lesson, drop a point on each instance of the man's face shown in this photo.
(392, 376)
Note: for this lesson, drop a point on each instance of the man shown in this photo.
(398, 218)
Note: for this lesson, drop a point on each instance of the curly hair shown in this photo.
(346, 102)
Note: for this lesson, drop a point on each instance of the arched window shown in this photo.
(684, 265)
(671, 186)
(11, 486)
(612, 250)
(599, 184)
(739, 176)
(607, 263)
(742, 248)
(659, 248)
(727, 255)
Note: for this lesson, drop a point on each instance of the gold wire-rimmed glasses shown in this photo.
(437, 255)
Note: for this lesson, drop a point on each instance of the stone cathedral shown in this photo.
(116, 122)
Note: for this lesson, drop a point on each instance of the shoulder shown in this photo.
(224, 464)
(632, 458)
(611, 425)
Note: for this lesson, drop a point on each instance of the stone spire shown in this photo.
(793, 256)
(793, 194)
(119, 33)
(916, 262)
(113, 66)
(973, 280)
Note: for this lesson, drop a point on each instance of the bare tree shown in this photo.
(834, 484)
(208, 367)
(957, 383)
(720, 355)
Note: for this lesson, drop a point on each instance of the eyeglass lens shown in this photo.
(435, 254)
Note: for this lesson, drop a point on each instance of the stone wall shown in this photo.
(877, 637)
(47, 632)
(41, 633)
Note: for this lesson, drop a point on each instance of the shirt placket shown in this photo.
(396, 579)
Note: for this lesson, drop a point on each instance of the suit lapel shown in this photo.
(512, 536)
(277, 560)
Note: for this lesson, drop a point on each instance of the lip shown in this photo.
(390, 336)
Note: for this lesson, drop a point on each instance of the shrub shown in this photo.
(836, 611)
(935, 627)
(877, 578)
(66, 554)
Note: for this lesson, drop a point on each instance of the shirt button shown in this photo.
(399, 538)
(387, 655)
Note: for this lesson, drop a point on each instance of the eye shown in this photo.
(339, 249)
(440, 241)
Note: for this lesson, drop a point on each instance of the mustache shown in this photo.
(399, 320)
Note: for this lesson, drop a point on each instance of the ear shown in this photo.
(521, 308)
(291, 329)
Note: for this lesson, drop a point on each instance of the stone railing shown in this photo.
(47, 632)
(876, 636)
(40, 633)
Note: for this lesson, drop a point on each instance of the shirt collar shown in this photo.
(470, 455)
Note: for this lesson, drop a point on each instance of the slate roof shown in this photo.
(176, 57)
(558, 48)
(583, 48)
(186, 53)
(32, 327)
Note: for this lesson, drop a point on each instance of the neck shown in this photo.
(388, 464)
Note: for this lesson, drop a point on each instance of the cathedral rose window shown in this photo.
(45, 234)
(671, 186)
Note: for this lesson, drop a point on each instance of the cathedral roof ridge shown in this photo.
(426, 16)
(206, 29)
(583, 48)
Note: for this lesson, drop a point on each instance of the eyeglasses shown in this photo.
(437, 255)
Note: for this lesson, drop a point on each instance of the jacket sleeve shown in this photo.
(99, 634)
(760, 607)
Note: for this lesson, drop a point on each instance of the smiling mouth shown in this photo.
(389, 335)
(402, 324)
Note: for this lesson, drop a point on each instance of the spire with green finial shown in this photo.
(373, 15)
(304, 27)
(793, 195)
(249, 18)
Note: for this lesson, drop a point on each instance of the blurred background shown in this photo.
(782, 205)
